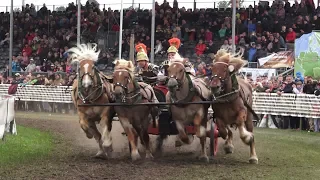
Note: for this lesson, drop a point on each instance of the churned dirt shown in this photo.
(72, 157)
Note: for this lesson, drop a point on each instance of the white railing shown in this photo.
(302, 105)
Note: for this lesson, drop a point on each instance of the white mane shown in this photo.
(84, 52)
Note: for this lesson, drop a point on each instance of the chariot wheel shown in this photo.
(213, 138)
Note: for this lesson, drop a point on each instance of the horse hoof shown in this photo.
(89, 136)
(204, 158)
(228, 149)
(149, 156)
(253, 160)
(101, 155)
(178, 143)
(191, 138)
(135, 156)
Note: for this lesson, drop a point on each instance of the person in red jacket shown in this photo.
(291, 36)
(27, 49)
(200, 48)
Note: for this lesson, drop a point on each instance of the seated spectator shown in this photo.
(6, 40)
(31, 66)
(291, 36)
(200, 48)
(226, 45)
(211, 48)
(222, 31)
(15, 64)
(208, 36)
(281, 40)
(251, 27)
(27, 49)
(260, 52)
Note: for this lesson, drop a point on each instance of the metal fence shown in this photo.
(141, 4)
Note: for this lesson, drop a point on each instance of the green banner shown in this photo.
(307, 55)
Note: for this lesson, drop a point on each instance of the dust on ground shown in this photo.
(73, 157)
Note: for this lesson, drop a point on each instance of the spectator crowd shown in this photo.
(43, 37)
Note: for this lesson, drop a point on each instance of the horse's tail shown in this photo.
(251, 110)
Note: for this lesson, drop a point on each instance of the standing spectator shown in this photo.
(252, 54)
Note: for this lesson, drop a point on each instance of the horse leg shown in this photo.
(97, 136)
(249, 122)
(84, 124)
(144, 138)
(182, 134)
(228, 146)
(132, 137)
(224, 134)
(159, 142)
(200, 123)
(106, 123)
(246, 136)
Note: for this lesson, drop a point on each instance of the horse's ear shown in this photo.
(129, 64)
(185, 60)
(116, 62)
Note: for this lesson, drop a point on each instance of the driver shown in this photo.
(147, 69)
(144, 66)
(173, 55)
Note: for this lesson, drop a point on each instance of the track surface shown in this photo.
(73, 157)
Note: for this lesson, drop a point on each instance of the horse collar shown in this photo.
(191, 93)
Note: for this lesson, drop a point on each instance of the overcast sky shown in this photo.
(116, 4)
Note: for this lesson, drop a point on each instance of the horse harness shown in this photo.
(137, 96)
(227, 97)
(98, 88)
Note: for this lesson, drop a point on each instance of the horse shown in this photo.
(92, 87)
(133, 118)
(184, 87)
(232, 103)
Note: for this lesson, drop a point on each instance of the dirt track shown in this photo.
(73, 157)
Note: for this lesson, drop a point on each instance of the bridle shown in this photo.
(180, 81)
(126, 96)
(222, 80)
(97, 86)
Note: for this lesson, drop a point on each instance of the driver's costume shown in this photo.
(152, 69)
(174, 46)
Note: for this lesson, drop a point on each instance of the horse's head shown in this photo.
(176, 74)
(123, 79)
(86, 55)
(222, 68)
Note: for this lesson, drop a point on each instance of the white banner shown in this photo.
(258, 72)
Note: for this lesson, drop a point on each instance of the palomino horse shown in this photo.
(184, 87)
(92, 87)
(233, 103)
(135, 118)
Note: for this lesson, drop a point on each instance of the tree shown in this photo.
(61, 8)
(227, 4)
